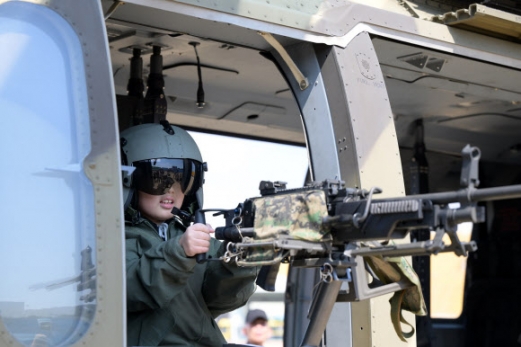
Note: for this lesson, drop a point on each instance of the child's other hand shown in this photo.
(196, 239)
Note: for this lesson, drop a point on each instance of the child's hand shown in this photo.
(196, 239)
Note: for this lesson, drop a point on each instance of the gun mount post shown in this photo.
(321, 306)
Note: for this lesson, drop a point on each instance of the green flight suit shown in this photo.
(172, 300)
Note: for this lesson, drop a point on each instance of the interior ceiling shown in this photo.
(460, 100)
(244, 91)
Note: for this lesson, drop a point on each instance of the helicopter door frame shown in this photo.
(351, 136)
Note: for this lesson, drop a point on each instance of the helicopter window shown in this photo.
(448, 273)
(48, 209)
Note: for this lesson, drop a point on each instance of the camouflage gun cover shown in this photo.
(280, 218)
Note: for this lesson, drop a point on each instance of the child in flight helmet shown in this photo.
(171, 299)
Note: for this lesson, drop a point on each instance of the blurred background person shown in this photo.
(256, 328)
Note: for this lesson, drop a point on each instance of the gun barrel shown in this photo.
(497, 193)
(471, 195)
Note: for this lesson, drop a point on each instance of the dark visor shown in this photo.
(156, 176)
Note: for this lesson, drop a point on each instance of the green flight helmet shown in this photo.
(161, 154)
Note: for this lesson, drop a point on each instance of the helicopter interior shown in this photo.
(440, 100)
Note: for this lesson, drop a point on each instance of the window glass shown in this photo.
(235, 169)
(47, 212)
(448, 272)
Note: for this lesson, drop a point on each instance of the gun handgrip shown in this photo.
(199, 218)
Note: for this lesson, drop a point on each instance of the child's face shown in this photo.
(158, 208)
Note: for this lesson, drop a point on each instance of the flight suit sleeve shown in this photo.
(156, 272)
(227, 286)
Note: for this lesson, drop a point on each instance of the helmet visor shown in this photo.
(156, 176)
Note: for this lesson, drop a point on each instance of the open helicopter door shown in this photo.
(61, 249)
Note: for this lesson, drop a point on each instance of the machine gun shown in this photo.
(86, 278)
(346, 233)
